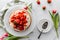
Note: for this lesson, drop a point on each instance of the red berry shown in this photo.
(17, 17)
(25, 21)
(38, 2)
(26, 7)
(20, 28)
(19, 12)
(43, 7)
(14, 26)
(13, 17)
(25, 25)
(49, 1)
(12, 20)
(21, 18)
(17, 20)
(23, 12)
(20, 22)
(53, 11)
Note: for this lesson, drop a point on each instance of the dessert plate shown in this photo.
(40, 24)
(11, 30)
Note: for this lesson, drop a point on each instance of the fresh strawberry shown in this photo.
(24, 21)
(13, 17)
(23, 12)
(19, 12)
(23, 18)
(38, 2)
(25, 25)
(43, 7)
(20, 28)
(49, 1)
(14, 26)
(12, 20)
(21, 23)
(17, 17)
(17, 20)
(26, 7)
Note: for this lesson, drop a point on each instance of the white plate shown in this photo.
(41, 22)
(10, 30)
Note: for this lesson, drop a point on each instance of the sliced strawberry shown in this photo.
(13, 17)
(25, 25)
(12, 20)
(23, 12)
(21, 23)
(22, 18)
(17, 20)
(20, 28)
(15, 26)
(17, 17)
(24, 21)
(19, 12)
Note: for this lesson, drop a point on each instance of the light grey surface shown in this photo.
(51, 35)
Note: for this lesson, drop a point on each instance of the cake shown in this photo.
(20, 20)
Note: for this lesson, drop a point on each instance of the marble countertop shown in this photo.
(51, 35)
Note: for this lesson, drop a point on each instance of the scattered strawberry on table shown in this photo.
(38, 2)
(43, 7)
(49, 1)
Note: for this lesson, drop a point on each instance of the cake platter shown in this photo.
(10, 29)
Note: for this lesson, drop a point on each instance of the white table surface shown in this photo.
(51, 35)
